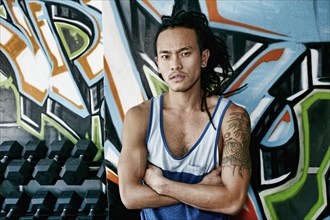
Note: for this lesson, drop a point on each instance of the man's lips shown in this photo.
(176, 76)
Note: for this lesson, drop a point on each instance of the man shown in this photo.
(185, 153)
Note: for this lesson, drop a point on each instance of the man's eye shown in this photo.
(185, 54)
(164, 56)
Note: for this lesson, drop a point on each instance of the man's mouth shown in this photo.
(177, 77)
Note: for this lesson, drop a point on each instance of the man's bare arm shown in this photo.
(133, 161)
(236, 143)
(229, 195)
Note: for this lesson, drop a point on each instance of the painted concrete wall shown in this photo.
(51, 70)
(280, 49)
(51, 88)
(71, 69)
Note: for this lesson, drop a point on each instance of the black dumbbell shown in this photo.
(76, 169)
(19, 172)
(101, 174)
(47, 170)
(9, 150)
(16, 204)
(67, 205)
(42, 204)
(94, 204)
(2, 198)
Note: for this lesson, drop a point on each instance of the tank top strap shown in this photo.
(154, 115)
(217, 119)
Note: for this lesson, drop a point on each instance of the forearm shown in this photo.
(133, 160)
(139, 196)
(215, 198)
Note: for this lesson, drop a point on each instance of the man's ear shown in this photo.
(156, 60)
(205, 57)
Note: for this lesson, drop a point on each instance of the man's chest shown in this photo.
(182, 133)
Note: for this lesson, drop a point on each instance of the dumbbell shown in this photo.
(101, 173)
(41, 205)
(8, 150)
(16, 204)
(76, 169)
(67, 205)
(19, 172)
(47, 170)
(94, 204)
(2, 198)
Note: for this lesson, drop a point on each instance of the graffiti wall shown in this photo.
(51, 70)
(280, 49)
(51, 89)
(70, 69)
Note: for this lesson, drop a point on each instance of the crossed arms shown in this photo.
(223, 190)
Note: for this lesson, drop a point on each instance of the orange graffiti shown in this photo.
(56, 90)
(286, 118)
(113, 89)
(36, 8)
(152, 8)
(112, 176)
(14, 47)
(216, 17)
(270, 56)
(23, 25)
(83, 58)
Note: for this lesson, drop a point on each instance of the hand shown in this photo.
(153, 177)
(213, 178)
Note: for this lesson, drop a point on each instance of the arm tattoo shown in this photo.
(236, 143)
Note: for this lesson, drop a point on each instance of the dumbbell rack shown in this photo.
(29, 199)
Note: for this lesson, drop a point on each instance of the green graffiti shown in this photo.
(97, 136)
(9, 85)
(75, 41)
(295, 188)
(156, 85)
(96, 124)
(3, 12)
(324, 166)
(321, 184)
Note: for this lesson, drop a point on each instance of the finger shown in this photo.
(218, 170)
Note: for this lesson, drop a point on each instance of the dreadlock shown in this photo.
(211, 80)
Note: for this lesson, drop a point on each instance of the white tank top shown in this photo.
(202, 157)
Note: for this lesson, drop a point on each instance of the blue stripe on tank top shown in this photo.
(218, 133)
(198, 141)
(183, 177)
(150, 120)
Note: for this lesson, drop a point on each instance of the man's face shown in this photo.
(179, 59)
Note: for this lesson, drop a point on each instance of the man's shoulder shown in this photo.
(139, 112)
(234, 107)
(235, 110)
(139, 108)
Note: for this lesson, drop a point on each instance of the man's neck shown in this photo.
(183, 101)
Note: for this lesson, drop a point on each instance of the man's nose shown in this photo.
(176, 64)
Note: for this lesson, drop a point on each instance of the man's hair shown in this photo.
(211, 80)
